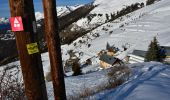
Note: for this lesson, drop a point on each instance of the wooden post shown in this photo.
(54, 48)
(31, 64)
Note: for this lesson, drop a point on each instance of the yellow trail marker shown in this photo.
(32, 48)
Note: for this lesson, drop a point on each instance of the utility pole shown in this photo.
(54, 48)
(26, 40)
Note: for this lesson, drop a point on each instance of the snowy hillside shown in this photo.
(149, 81)
(110, 6)
(4, 20)
(4, 23)
(61, 11)
(105, 7)
(135, 30)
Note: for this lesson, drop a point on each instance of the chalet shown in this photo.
(137, 56)
(167, 54)
(107, 61)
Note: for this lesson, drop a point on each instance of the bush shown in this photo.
(149, 2)
(11, 85)
(117, 75)
(76, 69)
(48, 77)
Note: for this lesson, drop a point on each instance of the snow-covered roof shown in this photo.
(139, 53)
(108, 59)
(167, 50)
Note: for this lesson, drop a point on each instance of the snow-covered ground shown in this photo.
(149, 81)
(135, 30)
(105, 7)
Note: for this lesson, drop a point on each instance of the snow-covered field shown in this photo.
(149, 81)
(105, 7)
(135, 30)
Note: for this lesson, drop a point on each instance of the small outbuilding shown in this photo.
(167, 54)
(137, 56)
(107, 61)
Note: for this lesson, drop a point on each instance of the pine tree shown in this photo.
(108, 46)
(107, 17)
(153, 53)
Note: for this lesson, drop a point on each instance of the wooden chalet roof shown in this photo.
(108, 59)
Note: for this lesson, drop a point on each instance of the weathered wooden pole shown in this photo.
(54, 48)
(29, 55)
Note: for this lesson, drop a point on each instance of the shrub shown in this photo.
(76, 69)
(117, 75)
(11, 85)
(88, 62)
(149, 2)
(48, 77)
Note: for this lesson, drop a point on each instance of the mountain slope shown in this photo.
(61, 11)
(135, 30)
(149, 81)
(98, 15)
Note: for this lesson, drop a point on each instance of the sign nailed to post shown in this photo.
(32, 48)
(16, 24)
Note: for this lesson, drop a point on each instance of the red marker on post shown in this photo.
(16, 24)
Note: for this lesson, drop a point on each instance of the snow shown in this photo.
(4, 20)
(105, 7)
(110, 6)
(61, 11)
(39, 15)
(149, 81)
(138, 30)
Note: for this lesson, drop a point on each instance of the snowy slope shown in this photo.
(110, 6)
(135, 30)
(4, 20)
(4, 23)
(105, 7)
(149, 81)
(61, 11)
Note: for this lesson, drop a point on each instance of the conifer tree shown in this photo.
(107, 17)
(153, 53)
(108, 46)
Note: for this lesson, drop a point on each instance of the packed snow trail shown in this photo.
(149, 81)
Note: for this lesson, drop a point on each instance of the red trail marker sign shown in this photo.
(16, 24)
